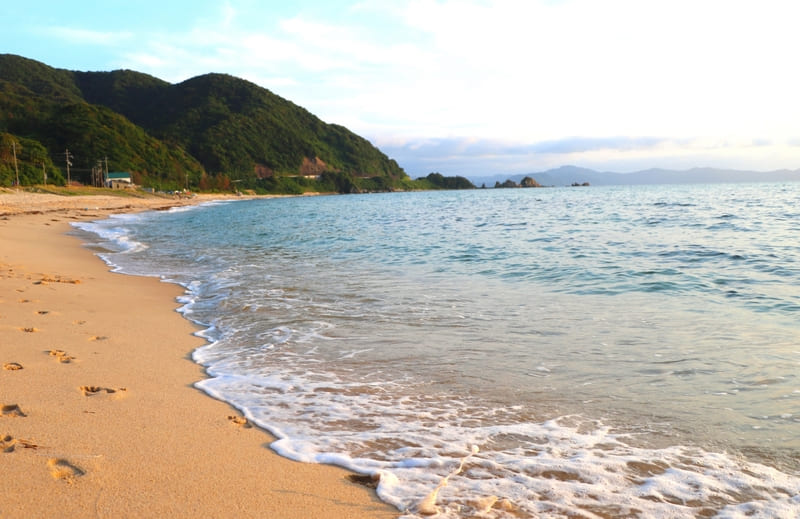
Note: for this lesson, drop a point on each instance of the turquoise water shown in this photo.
(586, 352)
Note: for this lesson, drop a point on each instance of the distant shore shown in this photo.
(99, 413)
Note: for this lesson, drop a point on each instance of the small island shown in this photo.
(525, 182)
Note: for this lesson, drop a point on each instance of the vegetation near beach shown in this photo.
(211, 132)
(439, 181)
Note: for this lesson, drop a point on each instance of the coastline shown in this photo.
(99, 413)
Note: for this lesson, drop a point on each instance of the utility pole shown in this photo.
(68, 155)
(44, 173)
(105, 176)
(16, 169)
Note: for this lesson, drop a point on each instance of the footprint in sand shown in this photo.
(98, 390)
(62, 356)
(241, 421)
(43, 312)
(8, 443)
(79, 322)
(12, 366)
(98, 338)
(12, 411)
(29, 329)
(63, 469)
(46, 280)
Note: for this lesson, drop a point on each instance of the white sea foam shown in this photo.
(194, 207)
(553, 468)
(115, 235)
(394, 358)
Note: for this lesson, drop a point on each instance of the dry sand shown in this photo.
(99, 417)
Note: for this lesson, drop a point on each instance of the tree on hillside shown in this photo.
(442, 182)
(27, 159)
(9, 145)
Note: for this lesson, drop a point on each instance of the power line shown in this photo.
(16, 169)
(68, 156)
(99, 171)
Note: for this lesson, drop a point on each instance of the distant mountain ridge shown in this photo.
(210, 130)
(568, 175)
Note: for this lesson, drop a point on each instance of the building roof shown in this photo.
(119, 175)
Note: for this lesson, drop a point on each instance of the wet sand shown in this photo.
(99, 416)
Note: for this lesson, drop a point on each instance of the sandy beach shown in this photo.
(99, 414)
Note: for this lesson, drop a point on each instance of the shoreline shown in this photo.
(100, 416)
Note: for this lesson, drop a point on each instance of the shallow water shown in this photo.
(626, 351)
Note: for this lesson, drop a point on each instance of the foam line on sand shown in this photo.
(99, 414)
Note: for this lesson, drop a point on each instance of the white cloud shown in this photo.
(86, 36)
(477, 157)
(228, 15)
(533, 72)
(616, 66)
(145, 61)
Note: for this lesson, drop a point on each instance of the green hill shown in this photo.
(209, 131)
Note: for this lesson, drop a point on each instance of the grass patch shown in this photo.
(89, 191)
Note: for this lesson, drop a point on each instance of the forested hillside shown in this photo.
(208, 132)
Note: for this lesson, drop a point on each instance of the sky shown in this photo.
(474, 87)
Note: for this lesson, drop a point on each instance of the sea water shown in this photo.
(557, 352)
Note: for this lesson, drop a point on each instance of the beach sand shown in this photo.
(99, 416)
